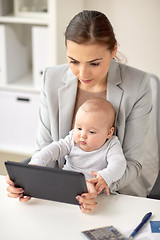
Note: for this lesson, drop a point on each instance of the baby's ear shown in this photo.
(110, 132)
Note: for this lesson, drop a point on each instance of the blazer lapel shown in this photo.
(67, 97)
(114, 92)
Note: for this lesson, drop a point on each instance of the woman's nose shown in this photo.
(83, 73)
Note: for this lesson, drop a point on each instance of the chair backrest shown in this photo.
(155, 85)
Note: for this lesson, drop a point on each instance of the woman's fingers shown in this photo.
(87, 200)
(24, 198)
(12, 195)
(87, 205)
(17, 193)
(9, 181)
(87, 209)
(12, 191)
(15, 190)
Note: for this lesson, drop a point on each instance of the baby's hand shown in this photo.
(99, 183)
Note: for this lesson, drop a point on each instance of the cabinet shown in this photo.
(19, 121)
(31, 38)
(17, 31)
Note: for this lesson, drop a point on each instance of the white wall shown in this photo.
(136, 24)
(71, 8)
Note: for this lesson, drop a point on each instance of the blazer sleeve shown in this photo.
(136, 136)
(48, 127)
(43, 137)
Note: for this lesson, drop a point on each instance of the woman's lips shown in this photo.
(86, 81)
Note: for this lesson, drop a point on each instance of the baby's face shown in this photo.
(91, 130)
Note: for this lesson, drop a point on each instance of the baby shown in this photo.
(90, 147)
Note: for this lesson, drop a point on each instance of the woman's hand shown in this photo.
(14, 192)
(87, 201)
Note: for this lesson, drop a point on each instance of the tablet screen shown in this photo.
(47, 183)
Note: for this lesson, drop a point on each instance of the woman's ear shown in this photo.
(110, 132)
(114, 51)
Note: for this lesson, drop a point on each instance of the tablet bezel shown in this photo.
(47, 183)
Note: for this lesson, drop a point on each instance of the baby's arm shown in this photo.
(99, 183)
(53, 151)
(116, 163)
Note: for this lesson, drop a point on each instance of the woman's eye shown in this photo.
(74, 62)
(95, 64)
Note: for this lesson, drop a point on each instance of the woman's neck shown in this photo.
(94, 88)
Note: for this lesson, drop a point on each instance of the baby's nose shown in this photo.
(83, 135)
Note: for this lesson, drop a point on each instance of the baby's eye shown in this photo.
(79, 128)
(92, 132)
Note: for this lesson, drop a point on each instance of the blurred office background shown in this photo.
(136, 24)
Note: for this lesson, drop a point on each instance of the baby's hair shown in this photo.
(100, 104)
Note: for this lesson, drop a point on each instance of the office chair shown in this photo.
(155, 85)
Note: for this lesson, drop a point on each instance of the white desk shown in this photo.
(41, 219)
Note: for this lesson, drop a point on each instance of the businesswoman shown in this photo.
(93, 72)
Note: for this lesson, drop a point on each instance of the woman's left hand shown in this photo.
(87, 201)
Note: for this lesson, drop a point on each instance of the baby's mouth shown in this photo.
(82, 142)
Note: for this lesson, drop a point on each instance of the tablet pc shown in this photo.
(47, 183)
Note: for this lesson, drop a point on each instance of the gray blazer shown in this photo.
(128, 89)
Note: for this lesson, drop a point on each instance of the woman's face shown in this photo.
(89, 63)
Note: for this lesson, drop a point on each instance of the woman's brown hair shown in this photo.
(91, 27)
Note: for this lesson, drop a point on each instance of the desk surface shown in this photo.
(42, 219)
